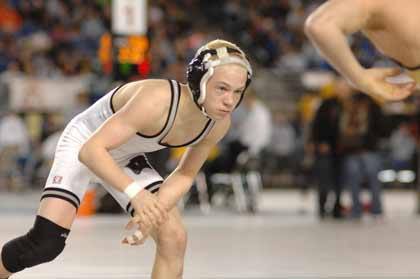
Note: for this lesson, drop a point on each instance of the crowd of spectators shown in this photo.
(60, 39)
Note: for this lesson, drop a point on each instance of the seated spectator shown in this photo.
(14, 151)
(403, 147)
(283, 142)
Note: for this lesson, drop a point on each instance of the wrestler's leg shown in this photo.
(171, 243)
(44, 242)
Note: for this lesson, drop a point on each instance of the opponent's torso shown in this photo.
(96, 115)
(394, 33)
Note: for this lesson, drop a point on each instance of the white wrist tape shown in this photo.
(132, 189)
(137, 236)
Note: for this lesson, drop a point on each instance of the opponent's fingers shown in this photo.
(389, 72)
(403, 90)
(409, 87)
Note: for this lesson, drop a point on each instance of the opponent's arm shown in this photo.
(327, 28)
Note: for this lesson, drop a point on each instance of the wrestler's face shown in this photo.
(224, 90)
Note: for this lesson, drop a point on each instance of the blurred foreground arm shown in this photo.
(328, 27)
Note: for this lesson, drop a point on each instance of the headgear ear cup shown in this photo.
(195, 71)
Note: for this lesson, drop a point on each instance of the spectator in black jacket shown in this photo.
(325, 137)
(360, 131)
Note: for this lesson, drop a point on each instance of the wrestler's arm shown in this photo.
(134, 116)
(180, 180)
(139, 112)
(328, 26)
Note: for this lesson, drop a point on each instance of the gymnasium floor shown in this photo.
(285, 240)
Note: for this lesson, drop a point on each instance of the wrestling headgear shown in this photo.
(201, 68)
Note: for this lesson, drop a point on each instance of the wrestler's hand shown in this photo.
(151, 212)
(374, 83)
(140, 234)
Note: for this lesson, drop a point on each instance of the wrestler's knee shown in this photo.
(43, 243)
(172, 239)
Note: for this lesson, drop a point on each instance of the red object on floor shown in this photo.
(87, 207)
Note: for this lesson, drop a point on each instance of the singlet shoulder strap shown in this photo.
(173, 109)
(209, 125)
(112, 92)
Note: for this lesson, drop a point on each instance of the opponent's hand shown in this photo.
(374, 83)
(151, 212)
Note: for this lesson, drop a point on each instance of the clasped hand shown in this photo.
(149, 214)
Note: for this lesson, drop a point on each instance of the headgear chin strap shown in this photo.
(201, 68)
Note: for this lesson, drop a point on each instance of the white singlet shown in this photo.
(69, 178)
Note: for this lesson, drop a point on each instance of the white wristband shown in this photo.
(132, 189)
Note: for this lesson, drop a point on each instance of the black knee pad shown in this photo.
(43, 243)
